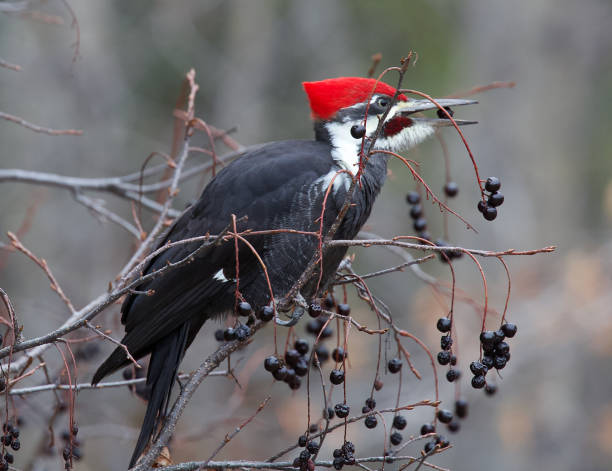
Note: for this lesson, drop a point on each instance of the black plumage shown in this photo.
(277, 185)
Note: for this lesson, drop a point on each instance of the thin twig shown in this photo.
(40, 129)
(8, 65)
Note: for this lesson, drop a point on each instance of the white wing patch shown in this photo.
(219, 276)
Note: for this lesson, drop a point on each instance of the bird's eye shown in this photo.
(382, 102)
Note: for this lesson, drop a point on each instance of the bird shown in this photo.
(277, 185)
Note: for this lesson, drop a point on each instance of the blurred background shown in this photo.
(548, 140)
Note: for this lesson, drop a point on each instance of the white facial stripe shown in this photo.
(346, 148)
(406, 138)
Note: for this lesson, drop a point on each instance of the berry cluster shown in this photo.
(496, 355)
(241, 332)
(344, 455)
(10, 438)
(292, 367)
(71, 446)
(399, 423)
(304, 460)
(416, 213)
(445, 357)
(495, 199)
(437, 440)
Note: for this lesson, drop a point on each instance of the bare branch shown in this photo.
(8, 65)
(40, 129)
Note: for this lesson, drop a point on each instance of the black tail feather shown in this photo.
(165, 359)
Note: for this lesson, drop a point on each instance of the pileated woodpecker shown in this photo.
(279, 185)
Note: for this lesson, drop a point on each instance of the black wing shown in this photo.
(263, 185)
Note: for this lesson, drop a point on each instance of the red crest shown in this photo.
(327, 97)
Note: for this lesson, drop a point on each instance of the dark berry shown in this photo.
(327, 332)
(339, 354)
(454, 426)
(429, 446)
(492, 184)
(322, 353)
(425, 235)
(343, 309)
(453, 360)
(266, 313)
(451, 189)
(490, 389)
(482, 206)
(499, 362)
(337, 453)
(292, 356)
(243, 332)
(348, 448)
(342, 410)
(442, 115)
(66, 453)
(365, 409)
(394, 365)
(314, 310)
(312, 447)
(336, 377)
(413, 197)
(488, 348)
(478, 368)
(297, 463)
(442, 441)
(399, 422)
(488, 361)
(301, 367)
(229, 334)
(416, 211)
(420, 224)
(329, 301)
(444, 357)
(290, 376)
(461, 408)
(302, 441)
(487, 337)
(314, 428)
(329, 414)
(445, 416)
(502, 348)
(219, 337)
(294, 383)
(396, 438)
(453, 375)
(496, 199)
(16, 444)
(371, 403)
(445, 342)
(304, 456)
(9, 458)
(378, 384)
(301, 345)
(244, 309)
(338, 463)
(358, 131)
(280, 374)
(272, 364)
(490, 213)
(509, 329)
(499, 336)
(427, 428)
(478, 382)
(444, 324)
(371, 421)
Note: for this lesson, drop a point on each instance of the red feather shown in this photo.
(327, 97)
